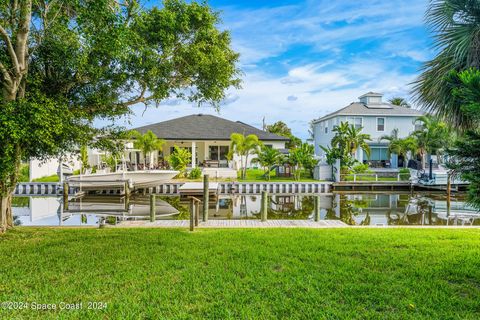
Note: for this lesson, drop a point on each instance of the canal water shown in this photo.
(353, 209)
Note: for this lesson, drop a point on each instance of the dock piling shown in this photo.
(206, 196)
(152, 208)
(192, 214)
(65, 196)
(317, 208)
(264, 209)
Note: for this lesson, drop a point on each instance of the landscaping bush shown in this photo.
(404, 174)
(195, 173)
(360, 168)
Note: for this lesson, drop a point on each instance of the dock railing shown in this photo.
(375, 177)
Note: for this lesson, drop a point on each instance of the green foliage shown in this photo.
(76, 62)
(401, 146)
(345, 143)
(52, 178)
(24, 175)
(360, 168)
(280, 128)
(454, 24)
(195, 173)
(404, 174)
(111, 160)
(267, 157)
(465, 154)
(399, 101)
(84, 158)
(147, 143)
(243, 146)
(179, 160)
(302, 158)
(433, 138)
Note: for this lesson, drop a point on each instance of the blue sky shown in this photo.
(303, 59)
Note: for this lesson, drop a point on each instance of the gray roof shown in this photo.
(205, 127)
(384, 109)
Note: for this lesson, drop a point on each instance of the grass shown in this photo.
(257, 175)
(244, 273)
(52, 178)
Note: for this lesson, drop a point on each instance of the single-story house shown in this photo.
(207, 137)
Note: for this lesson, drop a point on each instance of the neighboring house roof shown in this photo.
(205, 127)
(383, 109)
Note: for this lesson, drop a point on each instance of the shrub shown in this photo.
(404, 174)
(179, 160)
(195, 173)
(360, 168)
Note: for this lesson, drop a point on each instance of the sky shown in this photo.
(304, 59)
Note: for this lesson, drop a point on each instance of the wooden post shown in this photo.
(264, 206)
(65, 196)
(152, 208)
(197, 212)
(449, 191)
(206, 195)
(192, 214)
(127, 195)
(317, 208)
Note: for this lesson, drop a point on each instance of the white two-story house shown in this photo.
(377, 118)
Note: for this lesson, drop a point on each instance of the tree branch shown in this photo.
(10, 49)
(22, 33)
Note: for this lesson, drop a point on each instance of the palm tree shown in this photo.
(455, 24)
(267, 157)
(357, 140)
(147, 143)
(348, 140)
(243, 146)
(400, 147)
(399, 101)
(432, 138)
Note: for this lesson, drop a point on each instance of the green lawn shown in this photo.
(244, 274)
(257, 175)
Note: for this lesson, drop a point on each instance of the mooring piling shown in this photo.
(264, 209)
(206, 195)
(152, 208)
(317, 208)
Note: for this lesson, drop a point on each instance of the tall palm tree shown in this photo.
(147, 143)
(357, 140)
(399, 101)
(456, 28)
(243, 146)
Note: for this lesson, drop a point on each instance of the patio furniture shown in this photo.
(211, 163)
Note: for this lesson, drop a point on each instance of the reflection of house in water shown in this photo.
(372, 209)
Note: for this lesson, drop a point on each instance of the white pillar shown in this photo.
(194, 156)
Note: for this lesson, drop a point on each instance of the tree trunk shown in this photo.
(245, 169)
(6, 215)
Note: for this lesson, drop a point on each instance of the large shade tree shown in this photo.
(64, 64)
(280, 128)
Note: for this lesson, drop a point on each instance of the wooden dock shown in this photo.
(234, 224)
(372, 186)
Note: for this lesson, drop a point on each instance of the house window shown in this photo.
(213, 152)
(357, 122)
(380, 124)
(224, 152)
(218, 152)
(326, 129)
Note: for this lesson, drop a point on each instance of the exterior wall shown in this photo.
(39, 169)
(404, 124)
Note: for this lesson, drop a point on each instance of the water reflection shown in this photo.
(353, 209)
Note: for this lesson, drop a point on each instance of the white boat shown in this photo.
(135, 179)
